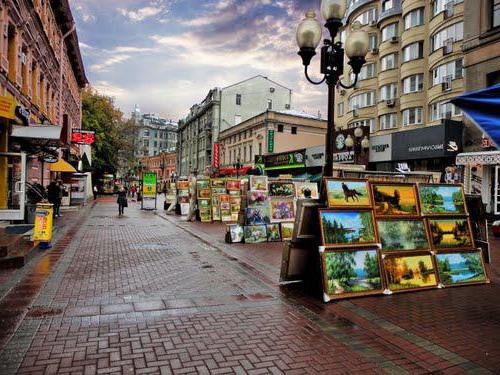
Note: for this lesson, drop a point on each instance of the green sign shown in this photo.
(149, 184)
(286, 160)
(270, 141)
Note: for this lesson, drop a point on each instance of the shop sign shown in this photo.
(341, 154)
(270, 141)
(7, 107)
(343, 157)
(381, 148)
(82, 137)
(259, 159)
(216, 156)
(432, 142)
(315, 156)
(295, 159)
(149, 181)
(43, 223)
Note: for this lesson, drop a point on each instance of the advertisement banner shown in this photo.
(43, 223)
(149, 185)
(82, 137)
(216, 156)
(7, 107)
(270, 141)
(295, 159)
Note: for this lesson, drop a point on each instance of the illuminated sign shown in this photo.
(82, 137)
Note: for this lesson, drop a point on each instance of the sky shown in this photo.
(165, 55)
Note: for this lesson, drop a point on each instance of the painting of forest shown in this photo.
(450, 233)
(407, 272)
(396, 200)
(441, 199)
(352, 271)
(347, 227)
(402, 235)
(342, 193)
(458, 268)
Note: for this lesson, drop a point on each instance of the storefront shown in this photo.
(290, 163)
(482, 176)
(380, 154)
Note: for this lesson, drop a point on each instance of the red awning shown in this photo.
(229, 171)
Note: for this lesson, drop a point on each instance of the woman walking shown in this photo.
(122, 200)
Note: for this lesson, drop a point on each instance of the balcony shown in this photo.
(394, 11)
(352, 7)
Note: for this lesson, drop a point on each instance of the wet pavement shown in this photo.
(149, 293)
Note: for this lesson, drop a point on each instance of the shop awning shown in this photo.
(62, 166)
(481, 158)
(48, 135)
(482, 108)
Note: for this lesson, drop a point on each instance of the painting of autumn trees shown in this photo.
(407, 272)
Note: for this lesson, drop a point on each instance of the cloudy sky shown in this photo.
(164, 55)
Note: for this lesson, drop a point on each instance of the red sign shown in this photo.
(216, 156)
(82, 137)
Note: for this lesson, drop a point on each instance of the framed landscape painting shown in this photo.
(461, 268)
(233, 184)
(182, 185)
(257, 215)
(347, 228)
(218, 183)
(347, 193)
(286, 231)
(442, 199)
(410, 272)
(255, 233)
(349, 273)
(203, 203)
(402, 234)
(258, 183)
(202, 184)
(204, 193)
(301, 187)
(395, 199)
(273, 232)
(282, 189)
(282, 209)
(450, 233)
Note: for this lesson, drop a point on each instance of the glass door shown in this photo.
(12, 185)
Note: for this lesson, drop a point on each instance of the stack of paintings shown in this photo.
(183, 196)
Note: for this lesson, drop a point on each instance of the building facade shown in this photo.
(414, 67)
(162, 164)
(268, 133)
(222, 109)
(41, 77)
(482, 69)
(154, 134)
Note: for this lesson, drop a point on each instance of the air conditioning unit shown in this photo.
(390, 103)
(342, 92)
(449, 9)
(373, 23)
(448, 46)
(374, 51)
(394, 39)
(446, 84)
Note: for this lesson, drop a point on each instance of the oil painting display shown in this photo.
(461, 268)
(281, 189)
(258, 199)
(441, 199)
(351, 272)
(258, 183)
(302, 187)
(255, 233)
(395, 200)
(347, 228)
(286, 231)
(402, 234)
(257, 215)
(347, 193)
(282, 210)
(410, 272)
(450, 233)
(273, 232)
(236, 232)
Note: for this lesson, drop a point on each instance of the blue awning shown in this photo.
(482, 107)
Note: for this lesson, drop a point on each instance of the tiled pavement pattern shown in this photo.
(141, 295)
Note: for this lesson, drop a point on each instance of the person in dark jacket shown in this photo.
(53, 194)
(122, 201)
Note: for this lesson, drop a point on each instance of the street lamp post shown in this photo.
(309, 33)
(358, 144)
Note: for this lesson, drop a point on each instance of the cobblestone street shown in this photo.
(146, 293)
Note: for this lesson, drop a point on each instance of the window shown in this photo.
(340, 109)
(250, 151)
(280, 128)
(389, 31)
(294, 130)
(245, 153)
(447, 35)
(373, 41)
(389, 92)
(451, 70)
(368, 122)
(367, 72)
(389, 62)
(442, 110)
(414, 83)
(495, 13)
(146, 133)
(412, 116)
(414, 18)
(413, 51)
(366, 99)
(238, 99)
(439, 6)
(388, 121)
(269, 104)
(366, 17)
(387, 4)
(237, 119)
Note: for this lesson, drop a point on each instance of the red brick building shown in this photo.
(163, 164)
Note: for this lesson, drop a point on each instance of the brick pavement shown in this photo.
(140, 294)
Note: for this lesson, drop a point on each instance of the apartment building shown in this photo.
(414, 67)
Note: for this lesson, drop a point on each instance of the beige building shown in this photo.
(414, 66)
(268, 133)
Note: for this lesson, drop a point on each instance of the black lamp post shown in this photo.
(309, 34)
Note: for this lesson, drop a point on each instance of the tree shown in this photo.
(371, 266)
(340, 266)
(473, 262)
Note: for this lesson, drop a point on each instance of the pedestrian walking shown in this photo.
(96, 192)
(54, 196)
(122, 200)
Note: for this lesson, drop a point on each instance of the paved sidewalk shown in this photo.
(145, 294)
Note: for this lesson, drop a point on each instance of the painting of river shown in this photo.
(450, 233)
(460, 268)
(441, 199)
(352, 272)
(347, 227)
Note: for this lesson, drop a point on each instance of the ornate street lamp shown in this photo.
(309, 34)
(359, 144)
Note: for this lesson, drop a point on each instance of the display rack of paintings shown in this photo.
(348, 193)
(183, 196)
(225, 208)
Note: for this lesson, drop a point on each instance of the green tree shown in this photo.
(340, 266)
(370, 266)
(473, 262)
